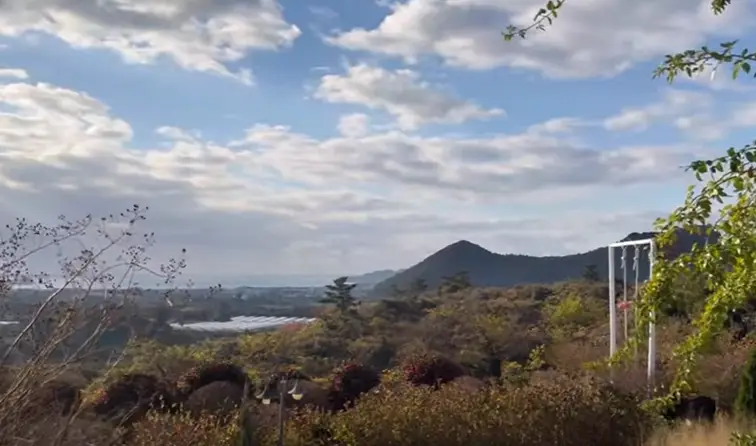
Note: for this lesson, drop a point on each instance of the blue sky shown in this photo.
(363, 136)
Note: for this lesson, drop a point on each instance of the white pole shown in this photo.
(612, 306)
(651, 372)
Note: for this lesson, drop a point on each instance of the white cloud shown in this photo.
(400, 93)
(510, 166)
(558, 125)
(590, 38)
(323, 12)
(198, 35)
(13, 73)
(354, 125)
(694, 113)
(689, 111)
(279, 201)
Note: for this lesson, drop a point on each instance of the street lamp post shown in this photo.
(267, 395)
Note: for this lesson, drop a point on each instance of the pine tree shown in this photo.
(340, 294)
(745, 403)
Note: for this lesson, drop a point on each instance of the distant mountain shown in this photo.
(487, 268)
(373, 277)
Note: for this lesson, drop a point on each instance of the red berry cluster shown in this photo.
(100, 397)
(431, 370)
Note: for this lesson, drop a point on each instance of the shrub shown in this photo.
(204, 374)
(349, 382)
(571, 313)
(745, 403)
(562, 412)
(219, 398)
(128, 399)
(182, 430)
(53, 397)
(431, 370)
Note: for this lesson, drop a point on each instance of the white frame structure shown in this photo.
(613, 326)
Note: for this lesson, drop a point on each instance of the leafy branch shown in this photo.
(544, 17)
(727, 267)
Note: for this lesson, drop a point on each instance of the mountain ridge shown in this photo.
(486, 268)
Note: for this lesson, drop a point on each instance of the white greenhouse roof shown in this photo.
(243, 323)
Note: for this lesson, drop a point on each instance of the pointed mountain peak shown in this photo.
(464, 246)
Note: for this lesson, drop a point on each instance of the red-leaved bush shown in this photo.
(348, 382)
(431, 370)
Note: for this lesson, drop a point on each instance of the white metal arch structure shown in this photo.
(613, 326)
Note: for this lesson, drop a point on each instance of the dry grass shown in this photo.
(718, 434)
(176, 430)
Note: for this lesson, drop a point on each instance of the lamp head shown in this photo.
(296, 391)
(266, 394)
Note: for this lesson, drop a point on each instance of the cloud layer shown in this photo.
(403, 169)
(276, 200)
(589, 39)
(201, 35)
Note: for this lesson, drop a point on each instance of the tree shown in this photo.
(417, 287)
(570, 313)
(97, 256)
(457, 282)
(745, 403)
(340, 294)
(590, 273)
(728, 266)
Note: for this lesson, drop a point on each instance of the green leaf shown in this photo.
(738, 184)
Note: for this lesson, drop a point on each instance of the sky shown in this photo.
(278, 140)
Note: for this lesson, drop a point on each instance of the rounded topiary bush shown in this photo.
(204, 374)
(431, 370)
(129, 397)
(348, 382)
(220, 399)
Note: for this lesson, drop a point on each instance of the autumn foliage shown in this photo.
(431, 370)
(349, 382)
